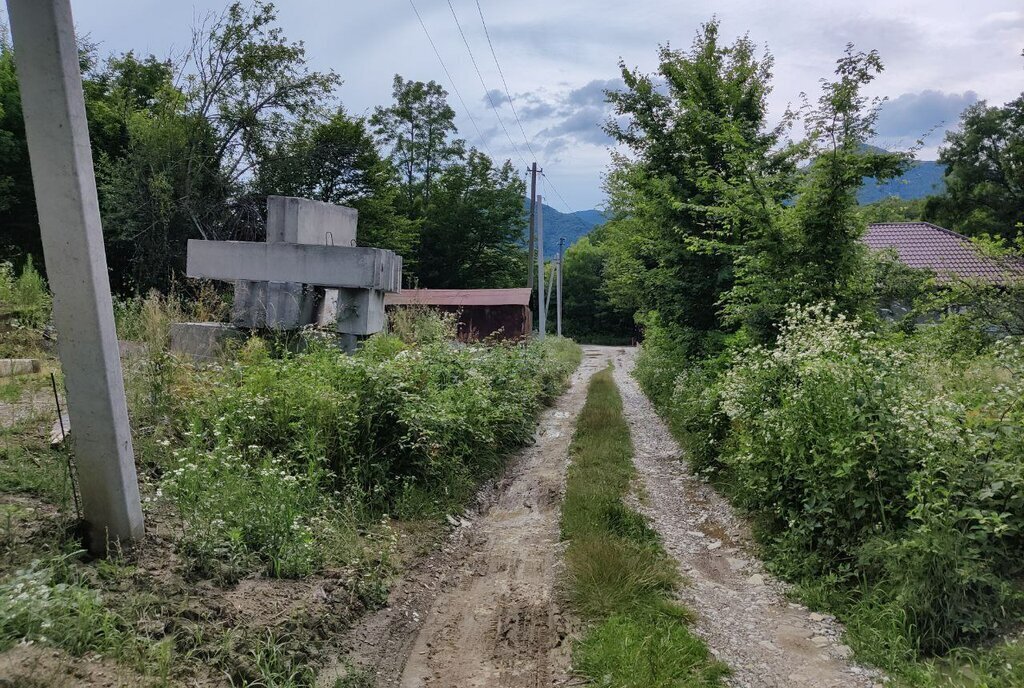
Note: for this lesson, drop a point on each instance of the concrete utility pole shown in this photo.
(558, 298)
(50, 80)
(541, 309)
(533, 207)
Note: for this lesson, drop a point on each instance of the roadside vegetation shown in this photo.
(619, 578)
(283, 493)
(867, 418)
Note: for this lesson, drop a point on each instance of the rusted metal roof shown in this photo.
(949, 255)
(459, 297)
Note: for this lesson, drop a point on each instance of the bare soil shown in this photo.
(484, 610)
(743, 613)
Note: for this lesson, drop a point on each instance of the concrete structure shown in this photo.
(323, 266)
(204, 342)
(49, 77)
(10, 367)
(482, 313)
(308, 272)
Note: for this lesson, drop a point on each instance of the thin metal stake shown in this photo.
(64, 442)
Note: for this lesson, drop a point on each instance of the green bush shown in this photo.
(331, 440)
(881, 463)
(25, 296)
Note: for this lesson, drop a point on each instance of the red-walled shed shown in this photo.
(500, 313)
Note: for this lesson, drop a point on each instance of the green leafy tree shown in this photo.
(705, 174)
(985, 172)
(419, 127)
(893, 209)
(472, 234)
(17, 202)
(587, 312)
(811, 252)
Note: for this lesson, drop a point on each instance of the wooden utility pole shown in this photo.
(541, 307)
(558, 295)
(50, 79)
(533, 235)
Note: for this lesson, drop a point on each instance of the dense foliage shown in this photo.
(884, 464)
(588, 313)
(985, 172)
(397, 429)
(864, 415)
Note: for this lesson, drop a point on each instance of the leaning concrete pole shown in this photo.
(541, 307)
(69, 218)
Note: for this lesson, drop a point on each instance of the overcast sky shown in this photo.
(558, 56)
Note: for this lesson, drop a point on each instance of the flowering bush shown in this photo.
(883, 462)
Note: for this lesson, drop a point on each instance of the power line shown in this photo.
(451, 81)
(480, 75)
(504, 83)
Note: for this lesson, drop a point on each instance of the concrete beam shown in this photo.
(322, 266)
(50, 80)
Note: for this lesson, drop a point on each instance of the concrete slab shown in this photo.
(324, 266)
(10, 367)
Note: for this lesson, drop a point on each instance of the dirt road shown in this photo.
(743, 613)
(483, 611)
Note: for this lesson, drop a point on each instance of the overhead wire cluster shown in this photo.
(488, 93)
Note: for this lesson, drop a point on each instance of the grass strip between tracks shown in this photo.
(620, 580)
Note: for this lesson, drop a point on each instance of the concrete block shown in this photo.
(323, 266)
(302, 221)
(360, 311)
(204, 342)
(284, 304)
(10, 367)
(249, 309)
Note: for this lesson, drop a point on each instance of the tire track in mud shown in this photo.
(483, 610)
(743, 613)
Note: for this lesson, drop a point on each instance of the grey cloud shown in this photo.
(584, 125)
(593, 93)
(536, 110)
(496, 96)
(914, 114)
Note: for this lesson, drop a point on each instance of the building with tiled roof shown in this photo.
(949, 255)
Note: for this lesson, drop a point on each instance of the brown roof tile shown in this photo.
(948, 254)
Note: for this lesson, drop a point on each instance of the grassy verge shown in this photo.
(359, 456)
(620, 579)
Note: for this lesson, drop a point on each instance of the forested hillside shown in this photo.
(568, 226)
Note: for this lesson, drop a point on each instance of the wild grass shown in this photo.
(271, 463)
(24, 297)
(619, 579)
